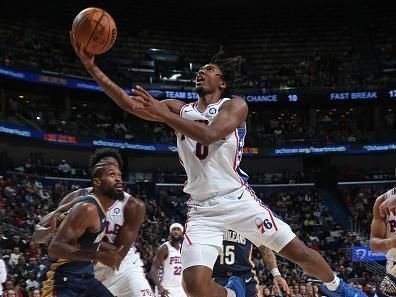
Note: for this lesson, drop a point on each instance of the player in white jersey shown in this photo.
(383, 232)
(123, 220)
(389, 204)
(169, 258)
(210, 138)
(129, 280)
(383, 239)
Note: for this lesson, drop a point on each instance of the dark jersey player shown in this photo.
(75, 245)
(236, 260)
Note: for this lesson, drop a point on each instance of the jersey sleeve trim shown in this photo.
(182, 109)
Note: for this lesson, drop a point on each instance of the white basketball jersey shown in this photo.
(115, 218)
(114, 221)
(211, 169)
(172, 268)
(391, 227)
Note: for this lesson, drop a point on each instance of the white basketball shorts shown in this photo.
(240, 211)
(129, 281)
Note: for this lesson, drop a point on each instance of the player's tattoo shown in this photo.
(269, 257)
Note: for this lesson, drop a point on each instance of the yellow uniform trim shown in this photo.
(48, 289)
(98, 201)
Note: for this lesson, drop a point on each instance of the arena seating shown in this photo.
(319, 54)
(271, 127)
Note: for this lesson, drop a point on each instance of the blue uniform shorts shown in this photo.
(250, 281)
(62, 285)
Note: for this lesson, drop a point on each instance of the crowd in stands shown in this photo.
(22, 204)
(271, 127)
(360, 199)
(319, 53)
(37, 164)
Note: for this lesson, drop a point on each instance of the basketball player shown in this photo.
(388, 205)
(383, 233)
(383, 239)
(169, 257)
(76, 243)
(236, 259)
(123, 220)
(210, 138)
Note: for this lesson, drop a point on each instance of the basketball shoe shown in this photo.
(343, 290)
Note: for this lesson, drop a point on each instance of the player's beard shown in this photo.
(200, 90)
(176, 238)
(114, 194)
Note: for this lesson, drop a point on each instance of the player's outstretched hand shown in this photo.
(86, 59)
(388, 206)
(111, 258)
(163, 292)
(147, 102)
(279, 281)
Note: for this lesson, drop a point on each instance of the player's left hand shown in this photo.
(279, 281)
(88, 60)
(148, 102)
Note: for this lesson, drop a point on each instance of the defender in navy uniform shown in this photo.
(76, 243)
(236, 259)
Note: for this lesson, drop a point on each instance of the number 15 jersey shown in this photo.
(212, 170)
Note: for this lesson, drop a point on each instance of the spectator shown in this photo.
(266, 292)
(64, 168)
(34, 293)
(12, 289)
(3, 274)
(10, 293)
(32, 282)
(14, 257)
(303, 290)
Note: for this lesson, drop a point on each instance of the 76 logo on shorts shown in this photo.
(262, 225)
(146, 292)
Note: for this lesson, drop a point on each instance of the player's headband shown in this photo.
(176, 225)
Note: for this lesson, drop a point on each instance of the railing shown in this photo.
(371, 266)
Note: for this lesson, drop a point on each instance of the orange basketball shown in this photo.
(95, 29)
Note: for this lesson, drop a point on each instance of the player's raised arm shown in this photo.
(47, 226)
(134, 213)
(117, 94)
(378, 240)
(230, 117)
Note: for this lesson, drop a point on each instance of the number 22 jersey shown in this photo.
(172, 268)
(212, 170)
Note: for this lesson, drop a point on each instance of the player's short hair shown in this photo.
(99, 167)
(230, 67)
(99, 154)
